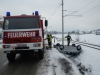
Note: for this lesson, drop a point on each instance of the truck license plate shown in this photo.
(36, 50)
(21, 45)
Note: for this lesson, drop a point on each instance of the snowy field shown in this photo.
(88, 38)
(89, 58)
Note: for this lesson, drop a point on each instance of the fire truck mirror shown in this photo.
(46, 23)
(6, 24)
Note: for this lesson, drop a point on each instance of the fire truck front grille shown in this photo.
(19, 40)
(7, 41)
(26, 40)
(16, 40)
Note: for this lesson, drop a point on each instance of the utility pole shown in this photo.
(62, 23)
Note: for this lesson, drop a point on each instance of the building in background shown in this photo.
(97, 32)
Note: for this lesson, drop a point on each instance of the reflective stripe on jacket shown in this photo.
(49, 38)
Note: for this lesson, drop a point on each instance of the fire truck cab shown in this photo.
(23, 34)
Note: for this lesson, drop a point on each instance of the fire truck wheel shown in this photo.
(41, 54)
(11, 57)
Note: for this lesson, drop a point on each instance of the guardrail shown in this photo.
(87, 44)
(82, 43)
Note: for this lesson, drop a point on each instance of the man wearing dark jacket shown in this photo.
(68, 39)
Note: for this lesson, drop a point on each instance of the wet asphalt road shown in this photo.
(24, 64)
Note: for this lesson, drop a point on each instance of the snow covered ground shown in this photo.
(89, 58)
(0, 43)
(88, 38)
(55, 63)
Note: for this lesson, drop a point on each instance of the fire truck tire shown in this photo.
(41, 54)
(11, 57)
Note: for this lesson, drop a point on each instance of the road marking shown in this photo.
(5, 63)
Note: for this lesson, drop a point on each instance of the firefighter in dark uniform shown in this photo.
(68, 39)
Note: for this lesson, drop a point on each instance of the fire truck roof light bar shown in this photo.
(36, 13)
(7, 13)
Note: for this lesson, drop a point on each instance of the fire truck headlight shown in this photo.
(6, 46)
(37, 45)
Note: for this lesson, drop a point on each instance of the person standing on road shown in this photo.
(68, 39)
(49, 38)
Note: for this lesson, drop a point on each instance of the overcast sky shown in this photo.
(52, 10)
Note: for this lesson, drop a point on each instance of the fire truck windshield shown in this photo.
(21, 23)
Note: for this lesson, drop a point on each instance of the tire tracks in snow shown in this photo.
(82, 68)
(66, 67)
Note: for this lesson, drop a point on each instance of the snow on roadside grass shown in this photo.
(0, 44)
(55, 63)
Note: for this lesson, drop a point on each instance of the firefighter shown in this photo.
(49, 38)
(68, 39)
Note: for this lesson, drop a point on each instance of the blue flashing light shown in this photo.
(36, 13)
(36, 35)
(5, 36)
(7, 13)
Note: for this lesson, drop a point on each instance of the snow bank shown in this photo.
(88, 38)
(89, 58)
(55, 63)
(0, 44)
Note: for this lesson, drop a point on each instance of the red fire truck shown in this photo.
(23, 34)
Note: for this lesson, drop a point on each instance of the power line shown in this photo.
(90, 9)
(72, 13)
(55, 10)
(85, 5)
(82, 7)
(85, 11)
